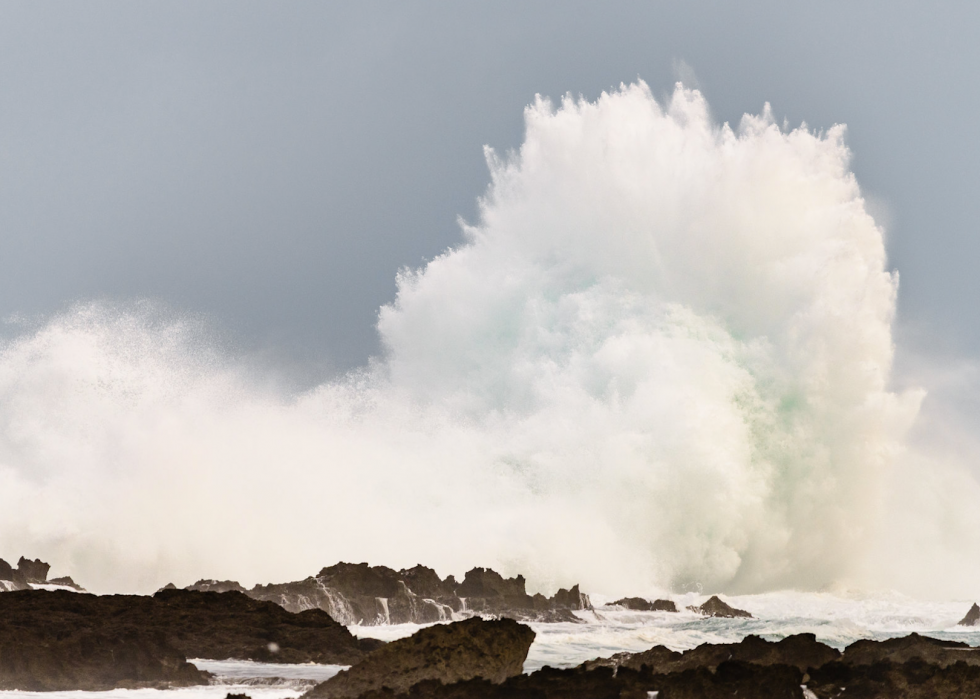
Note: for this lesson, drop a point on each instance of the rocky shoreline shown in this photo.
(54, 636)
(356, 593)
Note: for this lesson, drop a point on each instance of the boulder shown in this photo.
(972, 617)
(715, 607)
(643, 605)
(448, 653)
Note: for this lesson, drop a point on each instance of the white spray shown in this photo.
(660, 358)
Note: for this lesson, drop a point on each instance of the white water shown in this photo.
(257, 680)
(836, 620)
(660, 359)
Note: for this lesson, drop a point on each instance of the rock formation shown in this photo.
(972, 617)
(913, 667)
(715, 607)
(30, 573)
(372, 595)
(643, 605)
(66, 640)
(491, 650)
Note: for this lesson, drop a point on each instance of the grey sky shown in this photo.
(271, 165)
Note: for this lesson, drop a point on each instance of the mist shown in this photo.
(661, 359)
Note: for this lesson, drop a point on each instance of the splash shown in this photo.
(660, 358)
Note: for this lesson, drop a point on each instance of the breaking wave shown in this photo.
(660, 358)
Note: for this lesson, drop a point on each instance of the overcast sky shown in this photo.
(272, 165)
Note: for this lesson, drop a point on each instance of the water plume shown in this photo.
(660, 358)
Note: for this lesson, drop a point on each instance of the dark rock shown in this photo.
(715, 607)
(356, 593)
(216, 586)
(70, 640)
(35, 571)
(731, 679)
(912, 679)
(642, 605)
(913, 646)
(229, 695)
(53, 641)
(447, 653)
(972, 617)
(801, 651)
(28, 573)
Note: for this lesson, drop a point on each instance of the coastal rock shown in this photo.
(972, 617)
(899, 650)
(30, 573)
(912, 679)
(715, 607)
(67, 640)
(801, 651)
(356, 593)
(447, 653)
(643, 605)
(731, 679)
(52, 641)
(215, 586)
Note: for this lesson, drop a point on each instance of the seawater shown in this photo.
(836, 619)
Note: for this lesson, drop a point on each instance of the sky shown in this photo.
(271, 166)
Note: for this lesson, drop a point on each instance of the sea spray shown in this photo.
(659, 358)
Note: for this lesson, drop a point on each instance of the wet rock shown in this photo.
(28, 573)
(913, 679)
(53, 641)
(801, 651)
(356, 593)
(446, 653)
(913, 646)
(715, 607)
(216, 586)
(70, 640)
(972, 617)
(643, 605)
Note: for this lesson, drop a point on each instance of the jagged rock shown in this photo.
(972, 617)
(801, 651)
(215, 586)
(447, 653)
(70, 640)
(900, 650)
(912, 679)
(715, 607)
(28, 573)
(356, 593)
(66, 581)
(642, 605)
(35, 571)
(731, 679)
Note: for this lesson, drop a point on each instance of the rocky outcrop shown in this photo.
(913, 667)
(801, 651)
(715, 607)
(215, 586)
(643, 605)
(447, 653)
(28, 574)
(356, 593)
(67, 640)
(972, 617)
